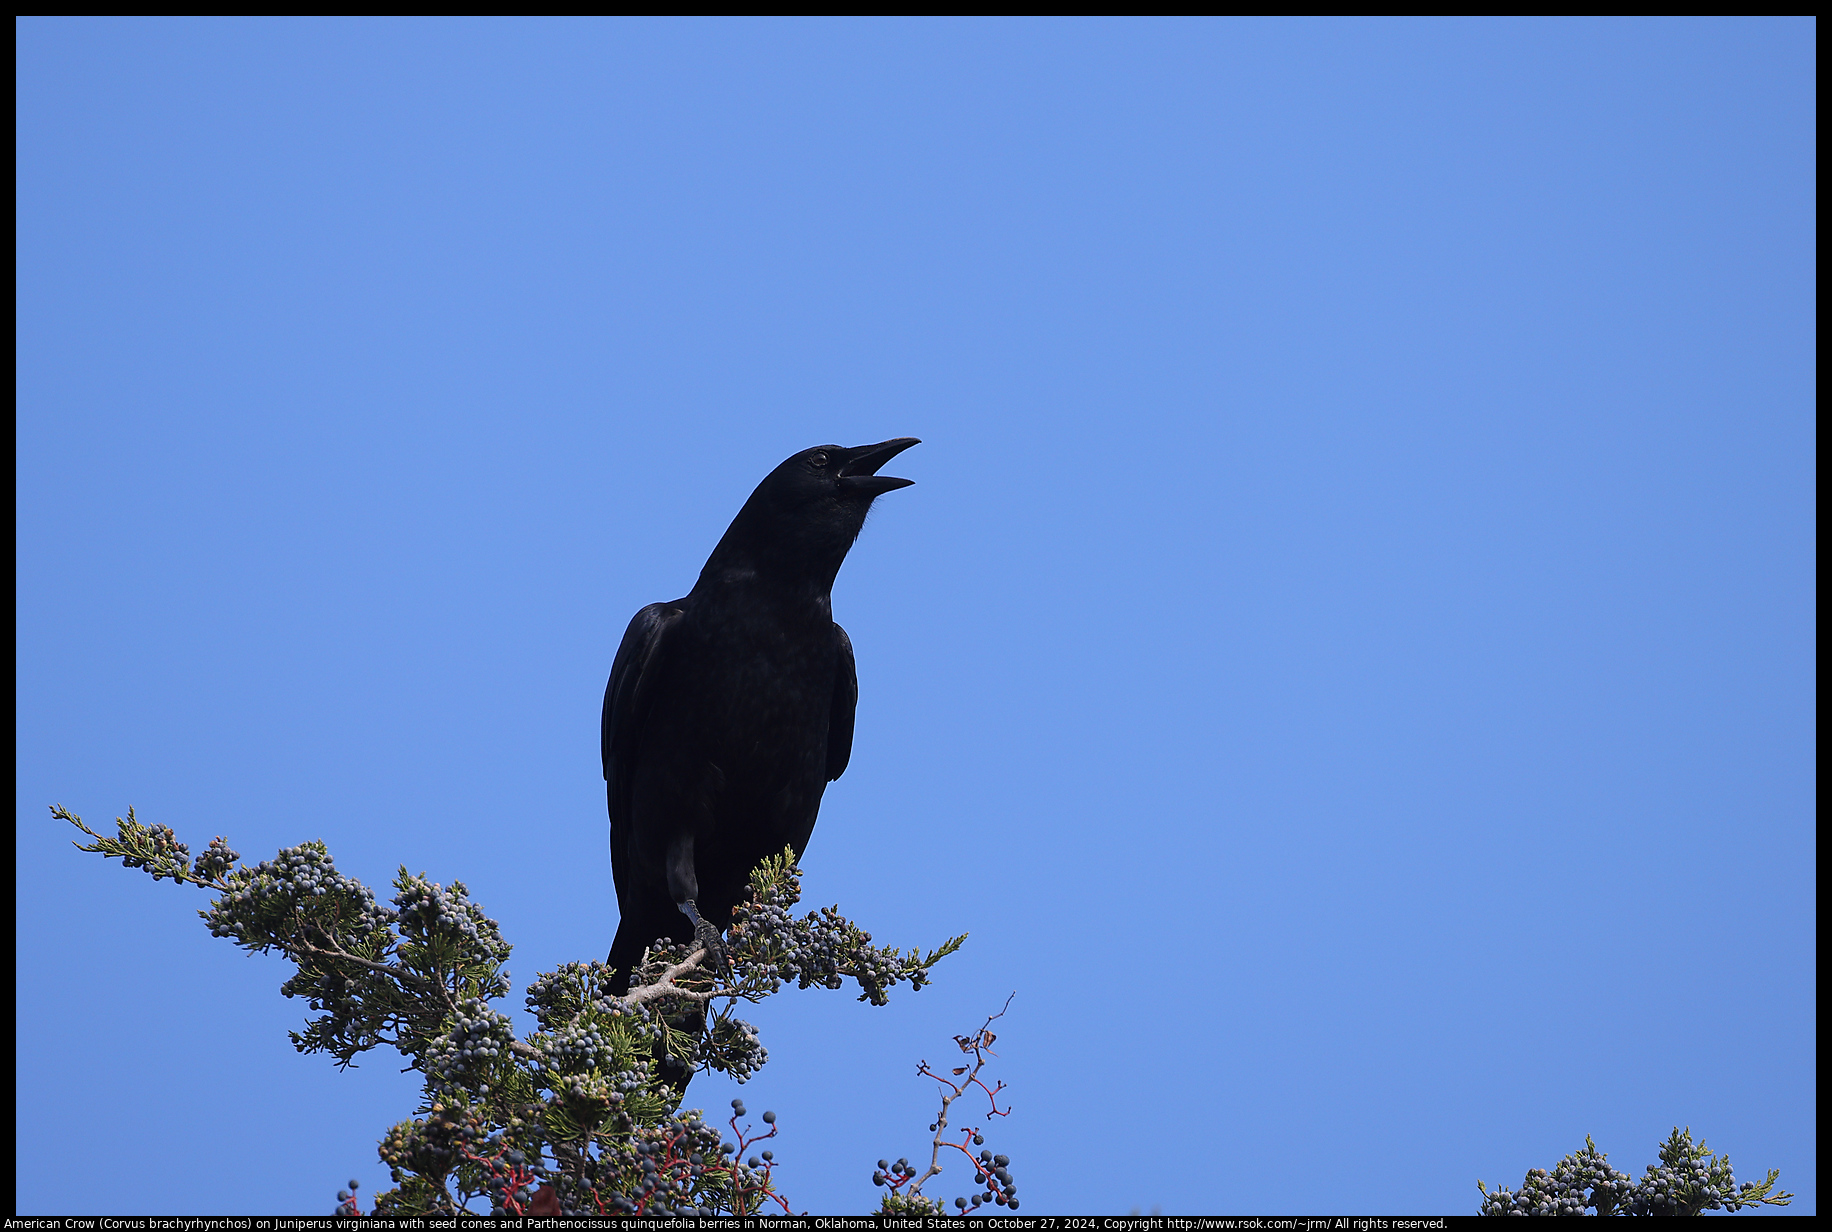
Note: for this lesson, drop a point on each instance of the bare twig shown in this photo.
(980, 1045)
(664, 985)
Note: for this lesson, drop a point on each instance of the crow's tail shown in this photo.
(626, 952)
(685, 1018)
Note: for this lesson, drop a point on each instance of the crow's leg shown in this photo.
(708, 936)
(685, 887)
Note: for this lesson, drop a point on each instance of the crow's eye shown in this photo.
(819, 458)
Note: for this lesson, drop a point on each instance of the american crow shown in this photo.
(729, 711)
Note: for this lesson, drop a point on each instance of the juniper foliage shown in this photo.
(573, 1119)
(1687, 1180)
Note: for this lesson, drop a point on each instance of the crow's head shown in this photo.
(835, 476)
(805, 514)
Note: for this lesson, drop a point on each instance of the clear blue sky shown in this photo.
(1348, 656)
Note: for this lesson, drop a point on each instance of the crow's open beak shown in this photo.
(859, 472)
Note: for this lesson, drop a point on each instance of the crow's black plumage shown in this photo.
(730, 710)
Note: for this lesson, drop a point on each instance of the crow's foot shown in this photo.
(708, 937)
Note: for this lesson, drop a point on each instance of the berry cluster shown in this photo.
(346, 1201)
(589, 1048)
(476, 1048)
(1580, 1181)
(1687, 1180)
(735, 1044)
(417, 1151)
(299, 886)
(989, 1170)
(556, 998)
(216, 860)
(994, 1172)
(512, 1174)
(769, 947)
(166, 852)
(457, 1143)
(441, 921)
(153, 848)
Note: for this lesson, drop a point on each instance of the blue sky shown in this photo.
(1347, 658)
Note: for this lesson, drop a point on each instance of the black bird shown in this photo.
(729, 711)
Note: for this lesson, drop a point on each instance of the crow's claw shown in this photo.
(708, 937)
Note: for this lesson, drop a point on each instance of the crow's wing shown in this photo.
(845, 702)
(625, 708)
